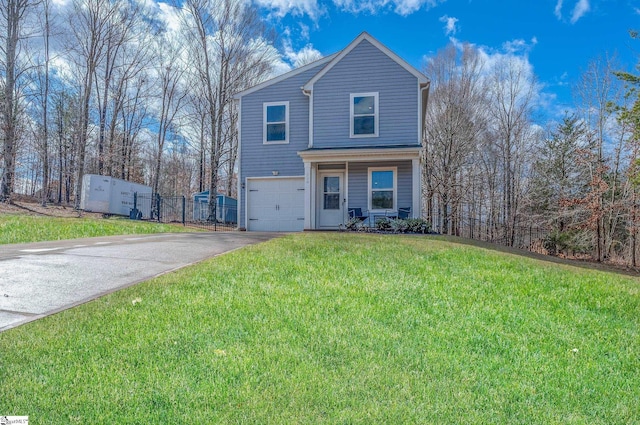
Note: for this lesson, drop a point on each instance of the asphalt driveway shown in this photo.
(40, 279)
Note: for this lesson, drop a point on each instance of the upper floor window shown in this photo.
(364, 114)
(276, 122)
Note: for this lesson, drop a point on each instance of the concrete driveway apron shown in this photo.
(40, 279)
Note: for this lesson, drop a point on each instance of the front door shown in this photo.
(331, 200)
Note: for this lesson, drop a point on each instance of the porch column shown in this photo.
(416, 187)
(307, 196)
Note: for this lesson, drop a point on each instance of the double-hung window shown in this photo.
(364, 114)
(383, 189)
(276, 123)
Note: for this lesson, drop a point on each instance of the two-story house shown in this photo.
(339, 134)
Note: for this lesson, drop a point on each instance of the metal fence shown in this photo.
(183, 210)
(528, 237)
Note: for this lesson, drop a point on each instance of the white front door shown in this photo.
(330, 199)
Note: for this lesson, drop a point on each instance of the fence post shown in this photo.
(158, 201)
(184, 206)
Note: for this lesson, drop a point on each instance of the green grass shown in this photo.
(25, 228)
(337, 329)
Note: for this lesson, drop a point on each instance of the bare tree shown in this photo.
(170, 72)
(13, 15)
(595, 92)
(228, 48)
(511, 90)
(89, 23)
(456, 118)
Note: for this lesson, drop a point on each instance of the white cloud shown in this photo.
(291, 58)
(304, 31)
(450, 24)
(519, 46)
(314, 8)
(303, 56)
(512, 59)
(281, 8)
(170, 16)
(401, 7)
(60, 3)
(580, 9)
(300, 57)
(558, 9)
(407, 7)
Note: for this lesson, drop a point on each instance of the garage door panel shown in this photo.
(275, 205)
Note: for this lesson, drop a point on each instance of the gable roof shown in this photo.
(365, 36)
(284, 76)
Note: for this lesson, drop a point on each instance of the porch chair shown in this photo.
(404, 213)
(357, 213)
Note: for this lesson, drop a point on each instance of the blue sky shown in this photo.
(557, 37)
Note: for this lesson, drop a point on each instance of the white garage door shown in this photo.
(275, 205)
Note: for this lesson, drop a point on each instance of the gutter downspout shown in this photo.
(309, 94)
(424, 92)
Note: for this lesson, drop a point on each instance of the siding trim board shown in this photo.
(361, 155)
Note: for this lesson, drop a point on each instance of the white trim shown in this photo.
(266, 105)
(419, 114)
(311, 120)
(395, 188)
(307, 195)
(376, 114)
(274, 177)
(320, 198)
(314, 187)
(361, 155)
(346, 191)
(246, 202)
(365, 36)
(416, 180)
(239, 156)
(284, 76)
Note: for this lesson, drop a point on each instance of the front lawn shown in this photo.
(339, 328)
(15, 228)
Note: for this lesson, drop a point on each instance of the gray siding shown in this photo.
(366, 69)
(359, 177)
(257, 159)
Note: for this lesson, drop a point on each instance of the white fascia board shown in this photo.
(239, 159)
(366, 36)
(284, 76)
(361, 155)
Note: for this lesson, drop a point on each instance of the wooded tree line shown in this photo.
(492, 173)
(110, 87)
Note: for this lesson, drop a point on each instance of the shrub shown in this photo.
(418, 225)
(399, 225)
(354, 224)
(568, 242)
(383, 223)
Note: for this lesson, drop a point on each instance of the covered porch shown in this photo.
(364, 182)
